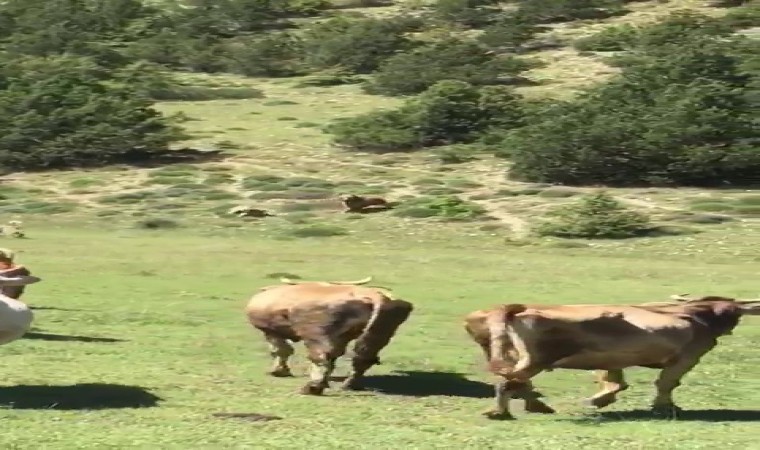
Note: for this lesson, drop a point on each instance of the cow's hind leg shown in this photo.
(610, 383)
(322, 354)
(513, 385)
(281, 350)
(368, 346)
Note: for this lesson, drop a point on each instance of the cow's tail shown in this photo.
(497, 322)
(387, 315)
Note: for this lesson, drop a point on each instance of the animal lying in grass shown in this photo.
(356, 203)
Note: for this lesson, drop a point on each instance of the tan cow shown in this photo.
(521, 341)
(326, 316)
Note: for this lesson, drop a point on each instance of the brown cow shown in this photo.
(356, 203)
(520, 341)
(326, 316)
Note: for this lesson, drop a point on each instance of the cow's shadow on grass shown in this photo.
(85, 396)
(426, 384)
(693, 415)
(67, 338)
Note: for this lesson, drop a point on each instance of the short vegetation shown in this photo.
(594, 216)
(79, 80)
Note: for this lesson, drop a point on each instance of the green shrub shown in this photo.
(681, 115)
(449, 207)
(550, 11)
(45, 123)
(612, 38)
(355, 45)
(215, 179)
(595, 216)
(747, 16)
(273, 55)
(449, 59)
(447, 113)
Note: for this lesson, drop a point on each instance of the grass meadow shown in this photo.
(139, 339)
(139, 336)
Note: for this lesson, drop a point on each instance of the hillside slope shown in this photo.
(278, 136)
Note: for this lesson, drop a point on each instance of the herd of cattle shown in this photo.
(519, 341)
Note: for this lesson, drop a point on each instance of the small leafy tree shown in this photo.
(447, 113)
(678, 115)
(67, 111)
(448, 59)
(359, 46)
(594, 216)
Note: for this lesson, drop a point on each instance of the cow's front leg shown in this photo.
(280, 350)
(610, 383)
(322, 356)
(669, 379)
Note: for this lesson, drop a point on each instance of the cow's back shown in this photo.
(606, 336)
(313, 309)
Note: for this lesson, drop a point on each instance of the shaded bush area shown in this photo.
(448, 207)
(64, 111)
(594, 216)
(681, 113)
(449, 112)
(448, 59)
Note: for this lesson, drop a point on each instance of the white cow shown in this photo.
(15, 316)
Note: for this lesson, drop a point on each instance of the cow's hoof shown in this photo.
(311, 389)
(281, 373)
(498, 415)
(666, 411)
(597, 402)
(539, 407)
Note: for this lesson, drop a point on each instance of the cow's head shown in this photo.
(721, 314)
(21, 280)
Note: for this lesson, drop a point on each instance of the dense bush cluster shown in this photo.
(594, 216)
(447, 113)
(78, 78)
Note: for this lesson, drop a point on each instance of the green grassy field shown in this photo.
(170, 346)
(172, 301)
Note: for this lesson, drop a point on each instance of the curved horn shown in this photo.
(362, 281)
(750, 307)
(288, 281)
(680, 297)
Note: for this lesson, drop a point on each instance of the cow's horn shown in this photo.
(680, 297)
(288, 281)
(362, 281)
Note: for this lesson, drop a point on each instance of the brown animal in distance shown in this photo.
(326, 316)
(356, 203)
(521, 341)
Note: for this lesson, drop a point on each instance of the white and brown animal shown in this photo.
(15, 316)
(520, 341)
(326, 316)
(248, 211)
(357, 203)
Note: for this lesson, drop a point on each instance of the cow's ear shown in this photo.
(750, 307)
